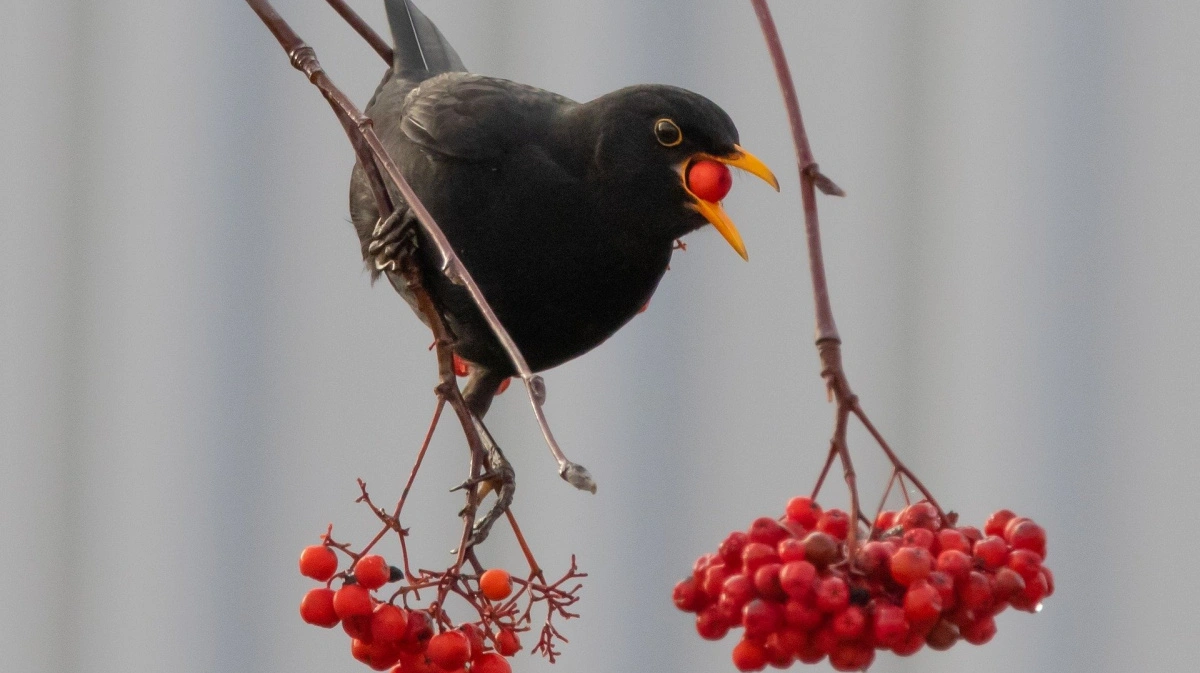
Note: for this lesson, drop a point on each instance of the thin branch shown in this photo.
(826, 328)
(827, 339)
(361, 27)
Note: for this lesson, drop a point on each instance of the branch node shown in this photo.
(821, 181)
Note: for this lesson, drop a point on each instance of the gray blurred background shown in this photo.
(194, 368)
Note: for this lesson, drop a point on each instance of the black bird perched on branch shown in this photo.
(565, 213)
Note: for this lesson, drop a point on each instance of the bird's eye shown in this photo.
(667, 132)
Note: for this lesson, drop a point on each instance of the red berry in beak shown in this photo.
(710, 180)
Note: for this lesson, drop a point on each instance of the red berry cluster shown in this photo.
(916, 582)
(386, 636)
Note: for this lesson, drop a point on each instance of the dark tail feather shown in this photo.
(421, 50)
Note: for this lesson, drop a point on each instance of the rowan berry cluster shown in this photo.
(388, 637)
(917, 581)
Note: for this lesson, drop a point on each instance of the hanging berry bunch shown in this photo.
(791, 584)
(378, 607)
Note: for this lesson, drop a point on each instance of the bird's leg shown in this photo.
(498, 473)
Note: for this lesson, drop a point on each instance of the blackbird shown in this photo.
(565, 214)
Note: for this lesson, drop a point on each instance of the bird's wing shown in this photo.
(476, 118)
(421, 49)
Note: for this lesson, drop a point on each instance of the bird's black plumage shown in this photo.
(565, 213)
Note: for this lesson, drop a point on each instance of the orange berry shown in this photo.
(495, 584)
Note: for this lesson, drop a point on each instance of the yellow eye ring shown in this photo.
(667, 132)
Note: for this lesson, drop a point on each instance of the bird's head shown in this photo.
(676, 146)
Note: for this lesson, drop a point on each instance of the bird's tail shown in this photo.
(421, 50)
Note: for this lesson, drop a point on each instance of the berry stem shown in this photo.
(899, 466)
(534, 569)
(828, 341)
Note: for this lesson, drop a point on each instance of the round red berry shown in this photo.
(910, 644)
(945, 588)
(714, 579)
(749, 656)
(767, 531)
(761, 618)
(954, 563)
(1027, 535)
(885, 520)
(371, 571)
(317, 608)
(851, 657)
(420, 630)
(790, 549)
(922, 604)
(991, 552)
(889, 626)
(711, 624)
(687, 595)
(796, 578)
(780, 647)
(757, 554)
(802, 615)
(318, 562)
(1026, 562)
(849, 623)
(710, 180)
(920, 537)
(507, 642)
(378, 656)
(490, 662)
(766, 582)
(803, 511)
(835, 522)
(911, 564)
(953, 538)
(388, 623)
(975, 592)
(1007, 583)
(474, 637)
(352, 600)
(979, 631)
(833, 595)
(873, 559)
(703, 563)
(730, 549)
(736, 592)
(919, 515)
(449, 650)
(1049, 579)
(997, 521)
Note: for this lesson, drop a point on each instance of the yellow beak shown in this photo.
(712, 211)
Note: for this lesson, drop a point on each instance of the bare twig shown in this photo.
(361, 27)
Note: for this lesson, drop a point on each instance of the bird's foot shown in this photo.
(499, 477)
(391, 239)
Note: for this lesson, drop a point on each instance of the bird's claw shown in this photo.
(390, 239)
(504, 482)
